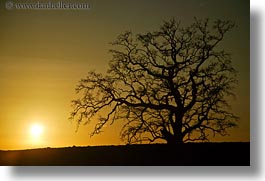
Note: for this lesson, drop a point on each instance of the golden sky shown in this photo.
(44, 53)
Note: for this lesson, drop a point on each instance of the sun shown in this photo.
(36, 130)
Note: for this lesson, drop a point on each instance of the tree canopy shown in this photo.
(172, 84)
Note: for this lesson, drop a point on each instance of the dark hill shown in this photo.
(236, 154)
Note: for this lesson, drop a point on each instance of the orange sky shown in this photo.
(43, 55)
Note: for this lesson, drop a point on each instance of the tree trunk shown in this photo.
(176, 137)
(179, 139)
(177, 128)
(172, 139)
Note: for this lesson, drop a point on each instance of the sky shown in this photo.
(44, 53)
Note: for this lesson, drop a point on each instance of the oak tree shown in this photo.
(173, 84)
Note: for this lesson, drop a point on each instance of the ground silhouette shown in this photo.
(189, 154)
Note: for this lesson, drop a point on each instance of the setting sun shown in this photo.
(36, 130)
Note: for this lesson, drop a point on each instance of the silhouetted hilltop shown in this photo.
(152, 154)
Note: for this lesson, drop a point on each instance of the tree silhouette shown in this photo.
(172, 84)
